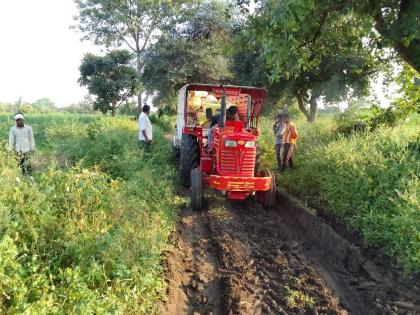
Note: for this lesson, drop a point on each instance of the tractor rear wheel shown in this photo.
(196, 189)
(267, 198)
(189, 158)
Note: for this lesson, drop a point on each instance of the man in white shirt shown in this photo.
(21, 137)
(145, 127)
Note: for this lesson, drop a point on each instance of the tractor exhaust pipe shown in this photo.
(223, 107)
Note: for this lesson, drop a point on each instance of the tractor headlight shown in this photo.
(230, 144)
(250, 144)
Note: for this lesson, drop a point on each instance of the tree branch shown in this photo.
(125, 40)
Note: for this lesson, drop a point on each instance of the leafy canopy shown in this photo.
(193, 50)
(110, 78)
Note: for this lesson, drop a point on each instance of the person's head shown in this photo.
(286, 118)
(146, 109)
(232, 113)
(19, 120)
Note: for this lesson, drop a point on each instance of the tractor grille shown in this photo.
(237, 163)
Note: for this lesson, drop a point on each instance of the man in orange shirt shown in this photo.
(290, 139)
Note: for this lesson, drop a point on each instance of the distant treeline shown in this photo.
(45, 105)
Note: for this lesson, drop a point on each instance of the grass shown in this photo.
(368, 181)
(86, 238)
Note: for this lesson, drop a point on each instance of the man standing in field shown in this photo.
(278, 129)
(145, 127)
(290, 138)
(21, 137)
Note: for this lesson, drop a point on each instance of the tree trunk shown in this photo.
(114, 109)
(311, 114)
(408, 53)
(139, 67)
(313, 105)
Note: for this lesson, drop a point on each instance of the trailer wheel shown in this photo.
(189, 158)
(196, 189)
(267, 198)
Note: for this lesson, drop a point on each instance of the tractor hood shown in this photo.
(257, 94)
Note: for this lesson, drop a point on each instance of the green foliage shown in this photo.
(368, 119)
(308, 49)
(110, 78)
(308, 27)
(132, 23)
(370, 181)
(112, 23)
(44, 105)
(86, 239)
(194, 50)
(83, 107)
(409, 102)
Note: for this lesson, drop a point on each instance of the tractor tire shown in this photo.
(189, 158)
(196, 189)
(267, 198)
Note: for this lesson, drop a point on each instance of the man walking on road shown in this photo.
(145, 127)
(290, 138)
(278, 129)
(21, 137)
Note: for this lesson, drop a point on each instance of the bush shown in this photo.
(87, 239)
(370, 181)
(356, 120)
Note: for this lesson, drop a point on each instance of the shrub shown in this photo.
(87, 239)
(370, 181)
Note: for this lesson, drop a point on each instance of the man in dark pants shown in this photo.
(278, 129)
(290, 139)
(21, 137)
(145, 128)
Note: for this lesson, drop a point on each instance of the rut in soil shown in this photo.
(237, 258)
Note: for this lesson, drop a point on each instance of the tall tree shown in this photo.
(130, 22)
(290, 27)
(311, 54)
(110, 78)
(194, 50)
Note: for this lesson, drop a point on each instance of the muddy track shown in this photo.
(236, 258)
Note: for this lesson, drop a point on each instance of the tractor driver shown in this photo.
(231, 114)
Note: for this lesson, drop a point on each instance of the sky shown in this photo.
(39, 53)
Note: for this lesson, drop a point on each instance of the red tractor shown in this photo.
(229, 161)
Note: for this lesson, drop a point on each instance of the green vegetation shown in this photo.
(369, 180)
(110, 78)
(86, 238)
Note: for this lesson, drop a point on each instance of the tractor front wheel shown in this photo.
(267, 198)
(196, 189)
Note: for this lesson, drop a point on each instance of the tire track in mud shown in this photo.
(191, 268)
(236, 258)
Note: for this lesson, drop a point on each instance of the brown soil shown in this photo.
(236, 258)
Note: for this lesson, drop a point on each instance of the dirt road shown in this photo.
(236, 258)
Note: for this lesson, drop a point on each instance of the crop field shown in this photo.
(85, 235)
